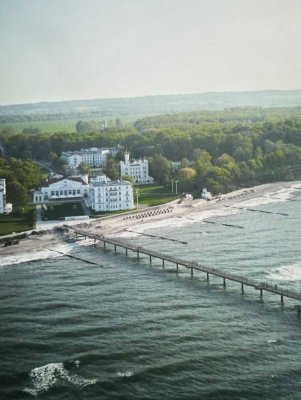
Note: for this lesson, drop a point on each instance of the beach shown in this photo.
(48, 241)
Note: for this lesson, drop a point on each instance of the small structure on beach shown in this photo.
(206, 195)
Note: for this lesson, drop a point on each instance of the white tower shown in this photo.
(126, 157)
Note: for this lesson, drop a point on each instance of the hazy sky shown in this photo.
(80, 49)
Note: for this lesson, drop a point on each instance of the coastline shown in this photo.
(49, 242)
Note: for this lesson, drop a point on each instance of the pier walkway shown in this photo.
(193, 266)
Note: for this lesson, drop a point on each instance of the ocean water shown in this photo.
(125, 329)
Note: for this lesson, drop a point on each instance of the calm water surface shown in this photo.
(127, 330)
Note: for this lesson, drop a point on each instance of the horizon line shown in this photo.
(147, 95)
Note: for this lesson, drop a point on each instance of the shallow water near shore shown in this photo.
(125, 329)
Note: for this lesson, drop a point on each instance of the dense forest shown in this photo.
(221, 150)
(21, 177)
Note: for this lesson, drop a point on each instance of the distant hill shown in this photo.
(151, 105)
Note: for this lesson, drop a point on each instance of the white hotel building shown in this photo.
(94, 157)
(137, 169)
(59, 188)
(2, 196)
(101, 194)
(107, 195)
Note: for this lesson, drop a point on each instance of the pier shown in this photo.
(194, 266)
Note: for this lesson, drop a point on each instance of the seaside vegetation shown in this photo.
(21, 177)
(220, 150)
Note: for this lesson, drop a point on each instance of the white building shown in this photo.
(60, 188)
(107, 195)
(137, 169)
(2, 196)
(94, 156)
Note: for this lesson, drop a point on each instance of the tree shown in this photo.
(160, 169)
(118, 124)
(112, 169)
(203, 166)
(84, 127)
(17, 193)
(84, 168)
(127, 178)
(186, 178)
(229, 171)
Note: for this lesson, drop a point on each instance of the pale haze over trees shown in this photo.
(74, 49)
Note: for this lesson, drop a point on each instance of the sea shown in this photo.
(126, 329)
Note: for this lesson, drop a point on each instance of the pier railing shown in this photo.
(244, 281)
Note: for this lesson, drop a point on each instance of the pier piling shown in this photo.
(261, 286)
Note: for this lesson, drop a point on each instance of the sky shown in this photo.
(54, 50)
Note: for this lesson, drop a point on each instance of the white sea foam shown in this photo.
(26, 257)
(277, 196)
(291, 272)
(49, 251)
(43, 378)
(126, 374)
(174, 221)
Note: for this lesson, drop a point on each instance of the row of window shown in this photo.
(115, 206)
(64, 192)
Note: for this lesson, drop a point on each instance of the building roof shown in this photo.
(92, 150)
(50, 181)
(111, 183)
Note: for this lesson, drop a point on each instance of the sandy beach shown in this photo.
(52, 243)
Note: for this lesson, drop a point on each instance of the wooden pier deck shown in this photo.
(193, 266)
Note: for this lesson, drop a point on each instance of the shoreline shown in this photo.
(46, 241)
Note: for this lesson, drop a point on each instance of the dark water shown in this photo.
(128, 330)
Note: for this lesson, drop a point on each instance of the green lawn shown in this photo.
(107, 213)
(65, 125)
(16, 222)
(62, 210)
(152, 195)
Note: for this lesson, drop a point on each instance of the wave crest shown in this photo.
(291, 272)
(43, 378)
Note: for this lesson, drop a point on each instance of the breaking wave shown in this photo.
(43, 378)
(291, 272)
